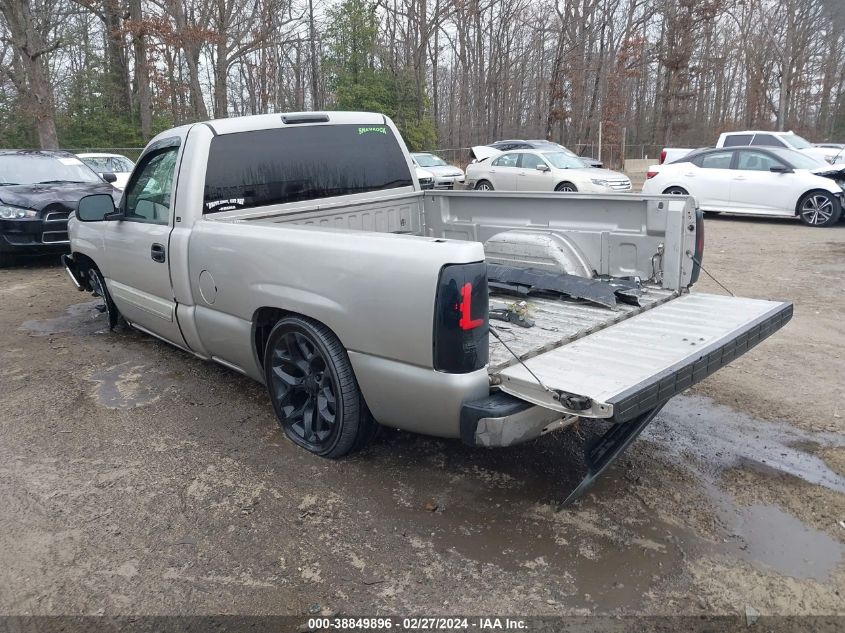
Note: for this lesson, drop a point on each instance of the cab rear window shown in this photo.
(266, 167)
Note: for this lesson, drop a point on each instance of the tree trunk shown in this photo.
(142, 77)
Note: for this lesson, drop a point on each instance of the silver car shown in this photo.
(446, 176)
(540, 170)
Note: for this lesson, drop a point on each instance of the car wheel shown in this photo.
(566, 187)
(483, 185)
(819, 208)
(676, 191)
(97, 283)
(313, 389)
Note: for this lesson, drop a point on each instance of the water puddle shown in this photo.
(82, 318)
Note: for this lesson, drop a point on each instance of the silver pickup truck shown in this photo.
(298, 249)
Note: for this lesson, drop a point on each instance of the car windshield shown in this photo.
(429, 160)
(562, 160)
(30, 169)
(108, 163)
(793, 140)
(797, 160)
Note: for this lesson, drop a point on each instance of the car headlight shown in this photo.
(15, 213)
(599, 183)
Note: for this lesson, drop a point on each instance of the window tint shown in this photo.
(766, 140)
(757, 161)
(531, 161)
(148, 195)
(506, 160)
(737, 140)
(264, 167)
(717, 160)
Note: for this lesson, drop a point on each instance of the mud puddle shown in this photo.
(718, 438)
(81, 318)
(128, 385)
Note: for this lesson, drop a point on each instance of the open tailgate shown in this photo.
(629, 368)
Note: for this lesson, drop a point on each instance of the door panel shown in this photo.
(709, 180)
(532, 179)
(136, 267)
(756, 189)
(504, 171)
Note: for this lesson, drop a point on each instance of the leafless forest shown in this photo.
(452, 73)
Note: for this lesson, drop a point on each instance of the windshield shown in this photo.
(797, 160)
(793, 140)
(562, 160)
(30, 169)
(429, 160)
(108, 163)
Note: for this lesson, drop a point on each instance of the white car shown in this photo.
(759, 181)
(787, 140)
(446, 176)
(540, 170)
(425, 177)
(116, 164)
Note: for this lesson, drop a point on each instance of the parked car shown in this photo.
(542, 170)
(299, 250)
(759, 180)
(787, 140)
(38, 190)
(512, 144)
(116, 164)
(671, 154)
(446, 176)
(425, 177)
(839, 148)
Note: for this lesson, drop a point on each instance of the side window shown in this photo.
(717, 160)
(767, 140)
(148, 195)
(506, 160)
(531, 161)
(737, 140)
(757, 161)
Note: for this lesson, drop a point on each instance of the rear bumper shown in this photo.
(34, 237)
(504, 420)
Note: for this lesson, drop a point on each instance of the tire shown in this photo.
(483, 185)
(99, 289)
(566, 187)
(819, 209)
(313, 389)
(676, 191)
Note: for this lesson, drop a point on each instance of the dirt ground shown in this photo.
(135, 479)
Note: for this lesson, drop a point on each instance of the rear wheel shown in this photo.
(483, 185)
(676, 191)
(566, 187)
(314, 392)
(819, 208)
(97, 283)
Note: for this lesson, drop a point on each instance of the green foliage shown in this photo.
(16, 126)
(361, 81)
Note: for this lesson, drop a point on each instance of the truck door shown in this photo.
(136, 266)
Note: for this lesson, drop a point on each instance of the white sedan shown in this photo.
(757, 181)
(116, 164)
(539, 170)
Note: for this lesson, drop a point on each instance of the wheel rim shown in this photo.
(484, 187)
(677, 192)
(817, 209)
(99, 290)
(567, 189)
(303, 389)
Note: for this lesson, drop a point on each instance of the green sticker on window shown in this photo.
(367, 130)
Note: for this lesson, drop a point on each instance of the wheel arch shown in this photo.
(565, 182)
(815, 190)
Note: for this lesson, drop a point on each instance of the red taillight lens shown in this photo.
(662, 156)
(650, 174)
(461, 335)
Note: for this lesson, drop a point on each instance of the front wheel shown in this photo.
(819, 208)
(314, 392)
(97, 283)
(676, 191)
(566, 187)
(483, 185)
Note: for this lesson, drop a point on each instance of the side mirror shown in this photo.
(96, 208)
(780, 169)
(109, 177)
(542, 167)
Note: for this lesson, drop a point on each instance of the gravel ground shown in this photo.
(136, 479)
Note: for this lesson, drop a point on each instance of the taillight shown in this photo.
(650, 174)
(699, 245)
(662, 156)
(460, 318)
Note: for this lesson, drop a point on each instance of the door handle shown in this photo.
(157, 253)
(739, 178)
